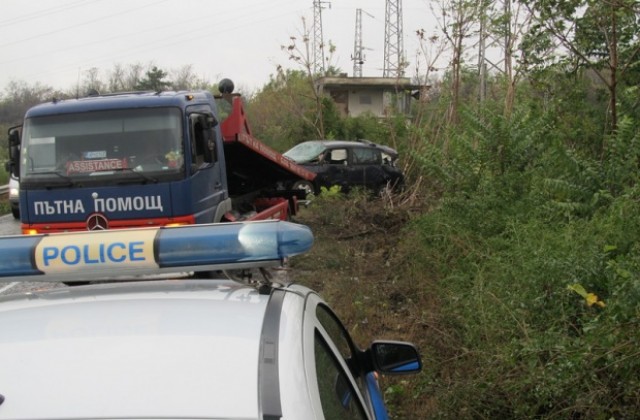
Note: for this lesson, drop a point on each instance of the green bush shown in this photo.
(523, 224)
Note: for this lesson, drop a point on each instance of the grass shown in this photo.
(5, 208)
(489, 298)
(4, 200)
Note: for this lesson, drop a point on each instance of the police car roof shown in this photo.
(165, 349)
(119, 101)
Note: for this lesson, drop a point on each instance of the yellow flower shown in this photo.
(592, 299)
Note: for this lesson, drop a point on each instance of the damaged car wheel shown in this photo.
(305, 186)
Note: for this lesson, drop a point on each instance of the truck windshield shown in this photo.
(137, 144)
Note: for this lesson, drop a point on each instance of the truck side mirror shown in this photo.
(211, 121)
(13, 164)
(14, 138)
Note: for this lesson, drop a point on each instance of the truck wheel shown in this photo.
(15, 212)
(306, 186)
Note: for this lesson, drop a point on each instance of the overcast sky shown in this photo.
(54, 42)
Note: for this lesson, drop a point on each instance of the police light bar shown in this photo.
(114, 254)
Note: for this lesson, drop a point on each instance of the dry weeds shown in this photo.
(363, 265)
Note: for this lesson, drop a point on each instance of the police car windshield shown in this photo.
(103, 144)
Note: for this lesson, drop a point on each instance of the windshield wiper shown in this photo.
(70, 182)
(141, 175)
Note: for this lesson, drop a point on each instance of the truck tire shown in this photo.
(306, 186)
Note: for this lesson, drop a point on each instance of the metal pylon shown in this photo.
(318, 39)
(394, 62)
(358, 57)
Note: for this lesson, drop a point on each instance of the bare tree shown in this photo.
(302, 54)
(431, 48)
(91, 83)
(133, 76)
(510, 22)
(458, 21)
(125, 78)
(20, 96)
(117, 78)
(183, 78)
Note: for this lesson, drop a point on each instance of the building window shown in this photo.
(365, 100)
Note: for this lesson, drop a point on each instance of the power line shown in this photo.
(169, 40)
(66, 28)
(45, 12)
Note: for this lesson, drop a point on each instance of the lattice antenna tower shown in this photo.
(393, 46)
(318, 39)
(358, 57)
(482, 49)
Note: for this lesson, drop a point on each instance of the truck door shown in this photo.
(208, 184)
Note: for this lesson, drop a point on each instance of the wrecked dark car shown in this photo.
(347, 164)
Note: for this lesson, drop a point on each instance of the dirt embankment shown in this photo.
(363, 264)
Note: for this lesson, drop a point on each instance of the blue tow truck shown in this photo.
(142, 159)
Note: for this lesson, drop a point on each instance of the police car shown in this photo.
(179, 348)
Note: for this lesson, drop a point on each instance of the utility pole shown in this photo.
(318, 39)
(393, 46)
(507, 39)
(482, 66)
(358, 56)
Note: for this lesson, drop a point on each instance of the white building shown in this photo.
(378, 95)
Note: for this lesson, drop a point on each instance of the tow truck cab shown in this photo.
(145, 159)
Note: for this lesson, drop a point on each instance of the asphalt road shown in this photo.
(11, 226)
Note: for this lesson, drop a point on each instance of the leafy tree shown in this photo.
(154, 80)
(597, 35)
(128, 78)
(283, 112)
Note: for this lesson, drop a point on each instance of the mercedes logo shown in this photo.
(97, 222)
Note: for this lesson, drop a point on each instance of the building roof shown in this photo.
(403, 83)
